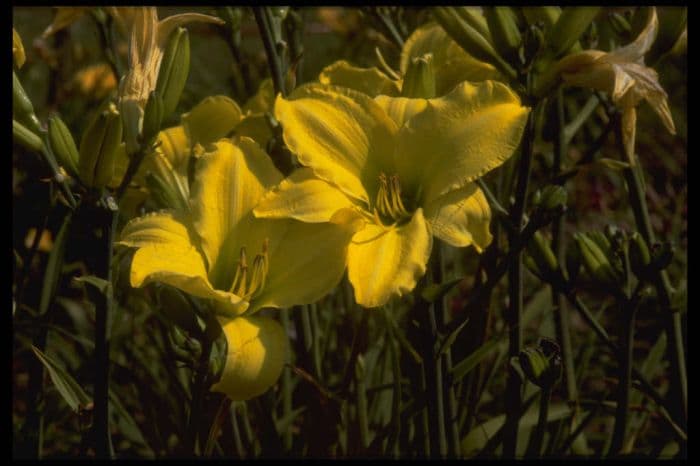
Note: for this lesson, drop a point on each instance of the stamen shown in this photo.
(388, 204)
(243, 286)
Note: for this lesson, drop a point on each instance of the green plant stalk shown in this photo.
(626, 358)
(561, 315)
(262, 18)
(679, 385)
(191, 440)
(235, 430)
(286, 388)
(361, 406)
(294, 26)
(393, 441)
(535, 447)
(221, 414)
(103, 26)
(388, 24)
(106, 212)
(312, 312)
(515, 292)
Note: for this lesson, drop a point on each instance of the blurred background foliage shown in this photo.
(67, 74)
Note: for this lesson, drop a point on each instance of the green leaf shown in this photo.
(66, 385)
(98, 283)
(53, 267)
(447, 343)
(463, 367)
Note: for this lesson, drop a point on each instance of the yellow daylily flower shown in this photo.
(146, 47)
(622, 74)
(402, 168)
(451, 65)
(219, 251)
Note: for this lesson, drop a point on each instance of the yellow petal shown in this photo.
(401, 109)
(388, 261)
(257, 350)
(341, 134)
(175, 147)
(369, 81)
(167, 254)
(211, 119)
(17, 49)
(307, 260)
(229, 182)
(304, 197)
(459, 137)
(461, 217)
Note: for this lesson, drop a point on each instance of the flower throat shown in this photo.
(389, 208)
(248, 285)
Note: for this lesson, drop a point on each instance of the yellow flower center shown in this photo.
(388, 206)
(246, 285)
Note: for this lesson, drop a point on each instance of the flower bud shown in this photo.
(619, 24)
(533, 43)
(21, 135)
(639, 254)
(505, 32)
(541, 252)
(174, 69)
(98, 148)
(672, 23)
(470, 39)
(542, 365)
(552, 199)
(62, 145)
(419, 81)
(152, 116)
(257, 348)
(569, 27)
(22, 108)
(596, 260)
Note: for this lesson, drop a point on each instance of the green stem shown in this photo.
(262, 18)
(625, 381)
(191, 445)
(535, 447)
(286, 388)
(106, 213)
(679, 386)
(561, 314)
(515, 292)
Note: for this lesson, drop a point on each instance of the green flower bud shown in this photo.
(174, 69)
(619, 24)
(542, 365)
(473, 17)
(596, 260)
(505, 31)
(569, 27)
(552, 199)
(62, 145)
(419, 81)
(152, 116)
(98, 148)
(22, 108)
(470, 39)
(639, 254)
(533, 43)
(545, 261)
(21, 135)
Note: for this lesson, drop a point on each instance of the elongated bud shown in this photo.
(419, 81)
(639, 254)
(505, 31)
(163, 193)
(24, 137)
(569, 27)
(533, 43)
(22, 108)
(672, 23)
(546, 262)
(98, 148)
(473, 17)
(174, 69)
(596, 261)
(546, 15)
(152, 116)
(257, 348)
(470, 40)
(18, 55)
(619, 24)
(542, 365)
(550, 201)
(62, 145)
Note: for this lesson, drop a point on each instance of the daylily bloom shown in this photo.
(239, 264)
(146, 47)
(451, 65)
(622, 74)
(403, 168)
